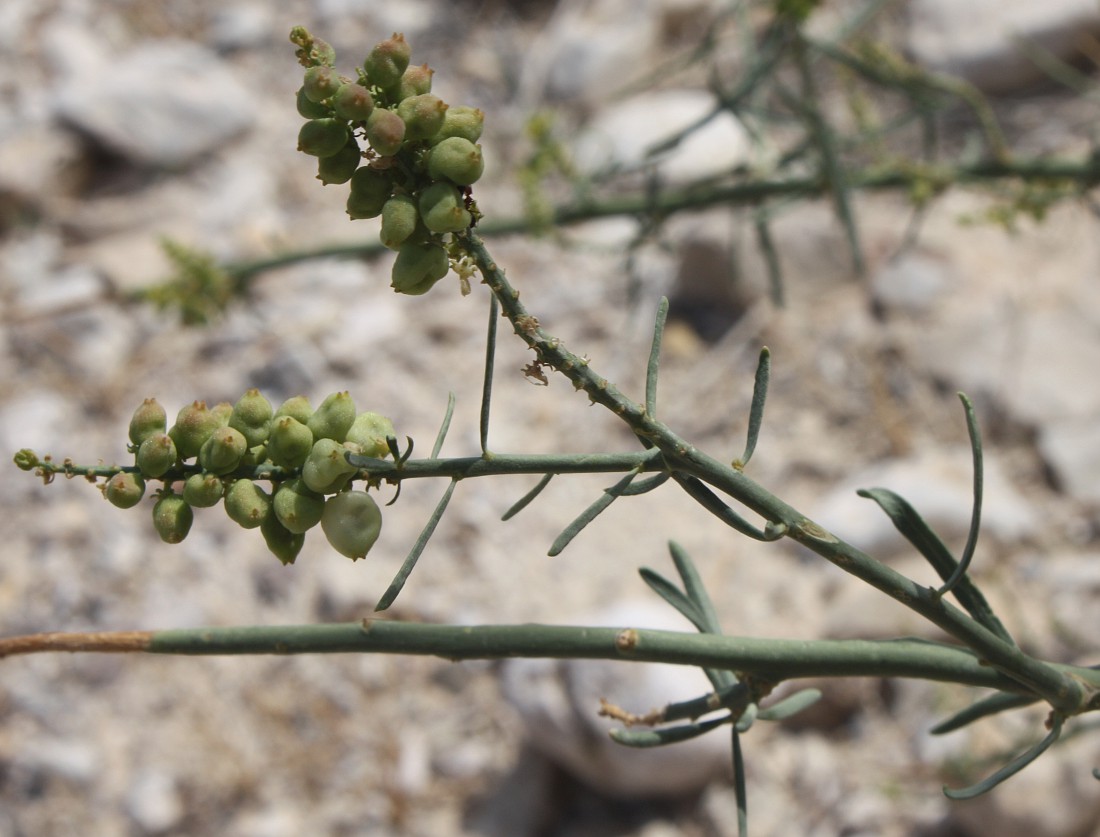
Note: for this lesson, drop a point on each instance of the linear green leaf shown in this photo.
(756, 409)
(976, 512)
(444, 427)
(644, 738)
(1013, 767)
(523, 501)
(490, 360)
(655, 358)
(675, 597)
(983, 708)
(591, 513)
(790, 705)
(417, 550)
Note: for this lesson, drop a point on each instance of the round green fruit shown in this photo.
(352, 522)
(385, 132)
(172, 517)
(388, 60)
(156, 455)
(297, 506)
(326, 471)
(307, 108)
(443, 209)
(222, 452)
(323, 137)
(247, 504)
(423, 116)
(202, 491)
(458, 160)
(193, 427)
(251, 416)
(353, 101)
(399, 220)
(320, 83)
(369, 432)
(461, 121)
(333, 418)
(289, 443)
(125, 489)
(148, 419)
(418, 266)
(283, 544)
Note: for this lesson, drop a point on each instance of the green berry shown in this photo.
(352, 522)
(369, 432)
(323, 137)
(222, 452)
(298, 507)
(456, 159)
(321, 52)
(320, 83)
(252, 417)
(415, 81)
(370, 189)
(353, 101)
(284, 544)
(125, 489)
(418, 266)
(326, 470)
(290, 442)
(309, 109)
(399, 221)
(193, 427)
(221, 412)
(148, 419)
(156, 455)
(461, 121)
(423, 116)
(201, 491)
(172, 517)
(297, 407)
(385, 132)
(387, 61)
(333, 418)
(342, 165)
(247, 504)
(442, 209)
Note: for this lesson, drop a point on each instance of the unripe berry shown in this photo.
(418, 266)
(297, 407)
(352, 522)
(309, 109)
(124, 489)
(221, 413)
(201, 491)
(322, 137)
(442, 209)
(252, 417)
(385, 132)
(172, 517)
(284, 544)
(193, 426)
(320, 83)
(369, 432)
(370, 189)
(387, 61)
(342, 165)
(353, 101)
(326, 470)
(422, 115)
(456, 159)
(399, 220)
(297, 506)
(415, 81)
(247, 504)
(148, 419)
(289, 443)
(222, 452)
(156, 455)
(321, 52)
(333, 418)
(461, 121)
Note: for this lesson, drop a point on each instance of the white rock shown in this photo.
(911, 283)
(559, 699)
(1072, 450)
(154, 801)
(163, 104)
(985, 41)
(625, 135)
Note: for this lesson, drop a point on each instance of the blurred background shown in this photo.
(124, 124)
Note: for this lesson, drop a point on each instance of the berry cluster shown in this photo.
(421, 156)
(208, 449)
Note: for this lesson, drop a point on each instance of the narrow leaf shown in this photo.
(992, 705)
(695, 589)
(756, 410)
(490, 359)
(675, 597)
(790, 705)
(418, 548)
(976, 512)
(655, 358)
(740, 791)
(710, 501)
(667, 735)
(523, 501)
(591, 513)
(443, 428)
(1010, 769)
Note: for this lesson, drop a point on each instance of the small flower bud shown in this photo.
(289, 443)
(125, 489)
(418, 266)
(156, 455)
(415, 81)
(423, 116)
(369, 432)
(297, 506)
(307, 108)
(284, 544)
(461, 121)
(333, 418)
(252, 417)
(399, 221)
(172, 517)
(320, 83)
(247, 504)
(370, 189)
(353, 101)
(148, 419)
(323, 137)
(326, 470)
(222, 452)
(442, 209)
(456, 159)
(194, 424)
(297, 407)
(342, 165)
(201, 491)
(387, 61)
(385, 132)
(352, 522)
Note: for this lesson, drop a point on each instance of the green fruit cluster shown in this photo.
(210, 454)
(407, 156)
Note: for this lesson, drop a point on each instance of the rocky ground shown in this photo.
(123, 122)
